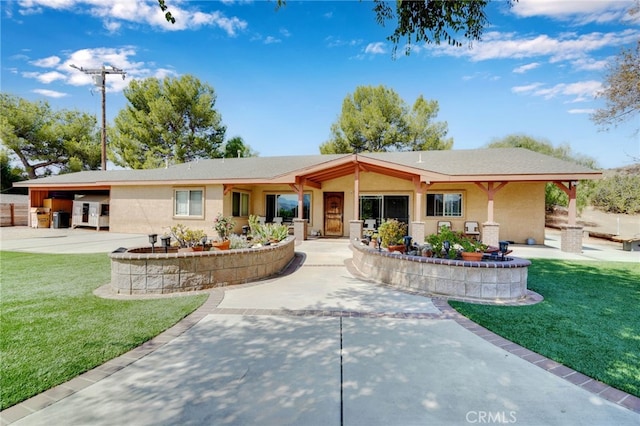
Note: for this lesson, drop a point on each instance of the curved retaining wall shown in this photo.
(486, 280)
(147, 273)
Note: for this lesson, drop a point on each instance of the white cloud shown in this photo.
(528, 67)
(271, 40)
(580, 91)
(47, 77)
(337, 42)
(526, 88)
(583, 12)
(114, 12)
(565, 47)
(49, 93)
(377, 48)
(590, 64)
(49, 62)
(581, 111)
(59, 69)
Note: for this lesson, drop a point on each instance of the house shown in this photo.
(503, 190)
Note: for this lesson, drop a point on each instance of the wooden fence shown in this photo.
(12, 214)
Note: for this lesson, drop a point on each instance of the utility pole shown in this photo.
(99, 75)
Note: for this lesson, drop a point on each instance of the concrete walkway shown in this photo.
(319, 346)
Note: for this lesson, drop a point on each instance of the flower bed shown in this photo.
(137, 271)
(486, 280)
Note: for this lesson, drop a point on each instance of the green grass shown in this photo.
(589, 319)
(53, 328)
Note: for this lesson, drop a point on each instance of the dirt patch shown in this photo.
(617, 227)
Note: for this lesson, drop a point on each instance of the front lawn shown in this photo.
(589, 319)
(53, 328)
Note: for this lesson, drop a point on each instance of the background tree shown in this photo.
(10, 174)
(429, 21)
(553, 195)
(171, 119)
(423, 134)
(235, 147)
(47, 141)
(376, 119)
(622, 90)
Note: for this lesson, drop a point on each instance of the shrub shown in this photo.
(391, 232)
(618, 194)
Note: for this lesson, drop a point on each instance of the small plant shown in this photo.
(186, 237)
(392, 232)
(269, 232)
(238, 242)
(223, 226)
(457, 243)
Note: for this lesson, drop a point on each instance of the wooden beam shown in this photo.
(227, 188)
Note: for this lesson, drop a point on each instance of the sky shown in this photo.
(281, 76)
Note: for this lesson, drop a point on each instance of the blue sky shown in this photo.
(281, 76)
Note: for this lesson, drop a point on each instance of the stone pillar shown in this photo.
(491, 234)
(355, 231)
(300, 230)
(571, 239)
(417, 232)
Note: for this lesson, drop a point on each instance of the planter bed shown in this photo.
(138, 271)
(486, 280)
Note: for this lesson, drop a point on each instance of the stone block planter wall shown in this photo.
(159, 273)
(485, 280)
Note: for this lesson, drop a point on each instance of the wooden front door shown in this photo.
(333, 206)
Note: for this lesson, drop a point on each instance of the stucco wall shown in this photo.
(518, 207)
(149, 209)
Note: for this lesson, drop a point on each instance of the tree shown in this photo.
(429, 21)
(47, 141)
(10, 174)
(553, 195)
(166, 120)
(622, 86)
(235, 147)
(376, 119)
(423, 134)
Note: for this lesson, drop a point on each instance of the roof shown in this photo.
(451, 165)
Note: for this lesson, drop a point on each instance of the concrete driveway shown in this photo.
(320, 346)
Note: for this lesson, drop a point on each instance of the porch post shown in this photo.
(356, 193)
(417, 225)
(570, 234)
(490, 229)
(299, 223)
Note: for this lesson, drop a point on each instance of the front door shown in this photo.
(333, 205)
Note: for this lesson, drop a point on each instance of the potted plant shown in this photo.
(223, 226)
(391, 233)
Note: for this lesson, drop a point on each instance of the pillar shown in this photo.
(571, 239)
(491, 234)
(300, 230)
(355, 231)
(417, 232)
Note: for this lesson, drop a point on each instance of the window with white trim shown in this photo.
(240, 204)
(447, 204)
(189, 202)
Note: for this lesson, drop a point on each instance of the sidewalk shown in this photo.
(319, 346)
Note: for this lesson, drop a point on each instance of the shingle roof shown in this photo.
(476, 162)
(491, 161)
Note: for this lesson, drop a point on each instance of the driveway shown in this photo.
(320, 346)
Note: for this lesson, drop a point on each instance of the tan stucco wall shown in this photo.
(518, 207)
(149, 209)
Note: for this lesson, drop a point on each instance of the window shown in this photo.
(286, 206)
(381, 207)
(189, 202)
(240, 204)
(445, 204)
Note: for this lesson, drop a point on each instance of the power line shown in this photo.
(99, 77)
